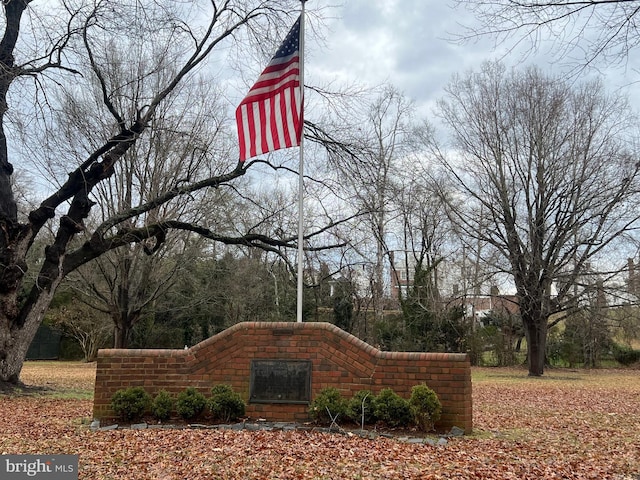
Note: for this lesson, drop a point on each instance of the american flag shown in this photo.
(270, 116)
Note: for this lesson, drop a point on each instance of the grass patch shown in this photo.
(59, 380)
(71, 394)
(561, 376)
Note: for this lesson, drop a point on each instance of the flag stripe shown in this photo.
(269, 117)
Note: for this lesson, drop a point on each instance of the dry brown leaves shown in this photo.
(569, 425)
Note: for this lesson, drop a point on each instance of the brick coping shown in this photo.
(286, 328)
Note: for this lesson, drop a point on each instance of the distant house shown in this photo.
(402, 274)
(480, 306)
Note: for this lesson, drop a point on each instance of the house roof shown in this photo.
(496, 303)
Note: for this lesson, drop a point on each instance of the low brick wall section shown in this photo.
(338, 359)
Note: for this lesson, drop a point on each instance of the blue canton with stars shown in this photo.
(291, 42)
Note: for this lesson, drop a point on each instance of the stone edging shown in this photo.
(286, 427)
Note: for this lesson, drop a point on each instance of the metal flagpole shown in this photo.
(301, 175)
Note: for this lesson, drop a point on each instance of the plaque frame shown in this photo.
(280, 381)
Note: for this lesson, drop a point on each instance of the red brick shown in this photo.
(339, 359)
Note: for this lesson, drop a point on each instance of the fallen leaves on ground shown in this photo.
(566, 425)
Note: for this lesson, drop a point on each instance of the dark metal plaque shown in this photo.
(280, 381)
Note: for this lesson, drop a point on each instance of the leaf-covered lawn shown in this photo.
(569, 425)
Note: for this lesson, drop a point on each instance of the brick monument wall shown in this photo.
(337, 358)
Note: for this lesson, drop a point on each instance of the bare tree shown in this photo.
(186, 34)
(425, 232)
(597, 30)
(89, 328)
(125, 283)
(380, 141)
(553, 171)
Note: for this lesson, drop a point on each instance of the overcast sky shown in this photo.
(404, 42)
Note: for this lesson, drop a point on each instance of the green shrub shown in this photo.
(130, 403)
(625, 355)
(392, 409)
(328, 400)
(162, 405)
(362, 400)
(225, 404)
(190, 403)
(425, 407)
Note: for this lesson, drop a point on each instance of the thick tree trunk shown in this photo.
(13, 349)
(15, 339)
(534, 311)
(124, 322)
(536, 333)
(18, 325)
(121, 336)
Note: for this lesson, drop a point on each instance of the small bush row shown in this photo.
(626, 355)
(134, 402)
(423, 408)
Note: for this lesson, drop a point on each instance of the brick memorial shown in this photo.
(278, 368)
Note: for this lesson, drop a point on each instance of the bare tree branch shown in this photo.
(596, 30)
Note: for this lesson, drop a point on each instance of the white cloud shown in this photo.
(405, 42)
